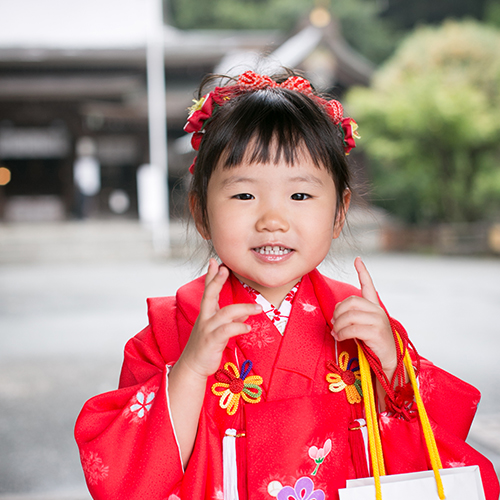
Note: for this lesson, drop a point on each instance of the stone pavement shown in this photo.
(63, 327)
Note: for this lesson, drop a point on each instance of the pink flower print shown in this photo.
(452, 465)
(309, 308)
(174, 496)
(257, 338)
(427, 387)
(303, 490)
(319, 455)
(385, 419)
(93, 467)
(219, 495)
(143, 404)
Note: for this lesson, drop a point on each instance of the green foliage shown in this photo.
(492, 12)
(364, 29)
(239, 14)
(361, 25)
(408, 14)
(431, 124)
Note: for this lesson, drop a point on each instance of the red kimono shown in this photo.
(299, 427)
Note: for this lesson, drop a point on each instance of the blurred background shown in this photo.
(93, 181)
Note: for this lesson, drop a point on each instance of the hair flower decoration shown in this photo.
(299, 84)
(255, 81)
(198, 113)
(349, 130)
(346, 377)
(252, 80)
(232, 385)
(335, 110)
(203, 109)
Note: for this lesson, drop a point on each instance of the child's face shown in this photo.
(271, 224)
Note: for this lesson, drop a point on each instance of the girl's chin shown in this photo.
(268, 284)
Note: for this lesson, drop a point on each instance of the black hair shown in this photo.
(265, 125)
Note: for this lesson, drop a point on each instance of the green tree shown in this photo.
(430, 123)
(492, 13)
(361, 24)
(409, 14)
(365, 29)
(238, 14)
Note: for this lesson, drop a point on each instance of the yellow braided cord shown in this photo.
(430, 441)
(374, 442)
(372, 412)
(426, 427)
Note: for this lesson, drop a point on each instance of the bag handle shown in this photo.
(374, 441)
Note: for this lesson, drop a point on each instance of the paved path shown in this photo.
(63, 327)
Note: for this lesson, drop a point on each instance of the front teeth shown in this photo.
(273, 250)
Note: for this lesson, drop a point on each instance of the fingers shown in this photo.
(215, 326)
(210, 336)
(359, 324)
(367, 287)
(370, 325)
(354, 303)
(363, 318)
(360, 317)
(214, 281)
(234, 313)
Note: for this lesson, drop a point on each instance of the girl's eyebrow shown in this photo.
(310, 179)
(230, 181)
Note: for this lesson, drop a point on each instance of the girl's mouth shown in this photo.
(272, 250)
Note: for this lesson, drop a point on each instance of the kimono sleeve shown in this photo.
(127, 443)
(451, 405)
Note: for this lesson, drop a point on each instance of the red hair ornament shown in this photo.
(203, 109)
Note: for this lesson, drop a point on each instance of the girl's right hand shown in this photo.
(214, 326)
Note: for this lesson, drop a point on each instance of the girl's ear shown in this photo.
(341, 215)
(196, 213)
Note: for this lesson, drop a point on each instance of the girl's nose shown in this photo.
(272, 220)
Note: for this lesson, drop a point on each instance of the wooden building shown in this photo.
(68, 74)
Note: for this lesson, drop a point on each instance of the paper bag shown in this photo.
(460, 483)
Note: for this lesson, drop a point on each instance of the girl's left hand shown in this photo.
(363, 318)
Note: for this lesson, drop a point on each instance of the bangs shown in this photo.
(273, 125)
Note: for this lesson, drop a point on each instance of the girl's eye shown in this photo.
(300, 196)
(243, 196)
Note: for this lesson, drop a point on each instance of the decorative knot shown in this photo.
(348, 377)
(232, 385)
(402, 404)
(236, 386)
(345, 376)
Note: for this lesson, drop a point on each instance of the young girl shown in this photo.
(246, 384)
